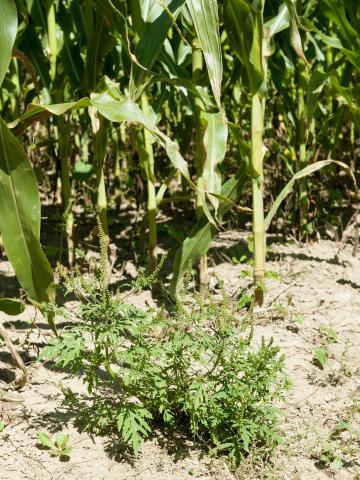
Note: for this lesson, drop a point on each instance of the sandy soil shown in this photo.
(314, 302)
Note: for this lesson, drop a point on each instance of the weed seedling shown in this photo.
(58, 447)
(320, 357)
(321, 352)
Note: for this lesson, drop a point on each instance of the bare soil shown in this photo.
(315, 294)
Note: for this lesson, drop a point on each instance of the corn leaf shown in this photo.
(20, 219)
(334, 10)
(244, 26)
(215, 142)
(295, 37)
(8, 28)
(301, 174)
(11, 306)
(200, 238)
(205, 16)
(278, 23)
(129, 111)
(157, 18)
(124, 110)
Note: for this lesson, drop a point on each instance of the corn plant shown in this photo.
(171, 87)
(20, 201)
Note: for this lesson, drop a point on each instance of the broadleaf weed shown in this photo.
(195, 369)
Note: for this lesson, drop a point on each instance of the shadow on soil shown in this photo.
(78, 412)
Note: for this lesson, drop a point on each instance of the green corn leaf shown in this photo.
(119, 111)
(155, 22)
(295, 37)
(301, 174)
(20, 219)
(243, 24)
(215, 142)
(129, 111)
(200, 238)
(335, 11)
(205, 16)
(8, 28)
(278, 23)
(11, 306)
(37, 112)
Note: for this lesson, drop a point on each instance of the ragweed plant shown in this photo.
(196, 369)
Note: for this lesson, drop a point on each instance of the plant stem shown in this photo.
(151, 192)
(301, 144)
(257, 127)
(52, 41)
(64, 154)
(99, 158)
(197, 67)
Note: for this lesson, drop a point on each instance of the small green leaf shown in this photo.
(45, 440)
(61, 440)
(66, 452)
(2, 426)
(245, 301)
(11, 306)
(339, 427)
(271, 275)
(336, 464)
(245, 437)
(82, 170)
(299, 318)
(320, 357)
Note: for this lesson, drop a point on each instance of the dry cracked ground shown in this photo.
(312, 310)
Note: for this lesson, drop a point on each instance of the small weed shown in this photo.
(58, 447)
(328, 334)
(281, 310)
(245, 301)
(272, 275)
(320, 357)
(2, 426)
(329, 458)
(340, 427)
(299, 318)
(321, 353)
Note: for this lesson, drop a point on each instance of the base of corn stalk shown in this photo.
(70, 238)
(203, 273)
(259, 295)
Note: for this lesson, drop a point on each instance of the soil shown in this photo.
(312, 302)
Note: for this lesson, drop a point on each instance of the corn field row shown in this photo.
(198, 104)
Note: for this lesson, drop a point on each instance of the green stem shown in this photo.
(197, 67)
(99, 158)
(64, 154)
(257, 128)
(52, 42)
(301, 144)
(151, 192)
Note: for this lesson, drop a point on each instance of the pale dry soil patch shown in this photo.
(318, 287)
